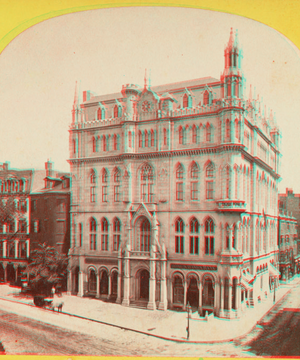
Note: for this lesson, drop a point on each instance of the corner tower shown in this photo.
(232, 77)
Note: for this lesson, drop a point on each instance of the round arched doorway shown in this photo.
(193, 292)
(178, 291)
(144, 285)
(208, 295)
(10, 273)
(114, 284)
(103, 283)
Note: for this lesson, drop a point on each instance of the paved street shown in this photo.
(44, 332)
(277, 334)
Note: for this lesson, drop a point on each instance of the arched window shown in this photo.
(206, 98)
(129, 139)
(104, 234)
(227, 130)
(194, 236)
(140, 139)
(147, 193)
(94, 144)
(237, 129)
(209, 237)
(99, 114)
(104, 186)
(179, 183)
(146, 138)
(194, 182)
(92, 280)
(209, 181)
(165, 137)
(229, 89)
(104, 142)
(145, 235)
(116, 111)
(93, 187)
(93, 234)
(74, 146)
(117, 178)
(117, 234)
(185, 101)
(194, 135)
(179, 236)
(208, 133)
(227, 182)
(80, 234)
(152, 137)
(180, 132)
(115, 140)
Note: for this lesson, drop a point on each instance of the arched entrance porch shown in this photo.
(103, 282)
(193, 292)
(178, 291)
(208, 294)
(143, 285)
(10, 273)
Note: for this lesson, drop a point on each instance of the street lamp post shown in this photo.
(274, 290)
(188, 322)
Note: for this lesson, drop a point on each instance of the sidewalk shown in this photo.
(168, 324)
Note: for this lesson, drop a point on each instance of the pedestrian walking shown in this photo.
(52, 291)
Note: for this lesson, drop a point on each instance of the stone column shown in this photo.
(230, 299)
(80, 283)
(109, 286)
(216, 287)
(16, 248)
(184, 295)
(125, 301)
(163, 304)
(200, 298)
(119, 291)
(238, 299)
(97, 285)
(222, 296)
(5, 273)
(152, 284)
(69, 283)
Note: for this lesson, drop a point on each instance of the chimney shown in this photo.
(5, 166)
(48, 167)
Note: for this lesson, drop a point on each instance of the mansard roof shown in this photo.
(161, 89)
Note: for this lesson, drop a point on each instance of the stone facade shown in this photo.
(174, 195)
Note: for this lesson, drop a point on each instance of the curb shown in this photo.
(154, 335)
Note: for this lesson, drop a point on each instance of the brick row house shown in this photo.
(174, 195)
(20, 235)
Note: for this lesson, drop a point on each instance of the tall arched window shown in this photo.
(117, 234)
(140, 139)
(94, 144)
(165, 137)
(227, 130)
(208, 133)
(179, 183)
(209, 237)
(145, 235)
(152, 138)
(180, 133)
(104, 234)
(80, 234)
(194, 135)
(147, 191)
(99, 114)
(209, 181)
(115, 140)
(194, 182)
(93, 234)
(93, 186)
(229, 89)
(227, 182)
(206, 98)
(146, 138)
(194, 236)
(185, 101)
(104, 142)
(129, 139)
(116, 111)
(74, 146)
(179, 236)
(104, 186)
(117, 178)
(237, 129)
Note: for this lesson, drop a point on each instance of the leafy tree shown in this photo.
(46, 268)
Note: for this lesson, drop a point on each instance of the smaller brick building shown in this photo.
(291, 202)
(49, 211)
(288, 248)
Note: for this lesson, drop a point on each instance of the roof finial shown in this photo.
(149, 79)
(75, 96)
(230, 43)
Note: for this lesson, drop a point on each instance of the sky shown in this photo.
(107, 48)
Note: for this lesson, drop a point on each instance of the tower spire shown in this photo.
(145, 80)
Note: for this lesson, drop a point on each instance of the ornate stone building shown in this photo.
(175, 194)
